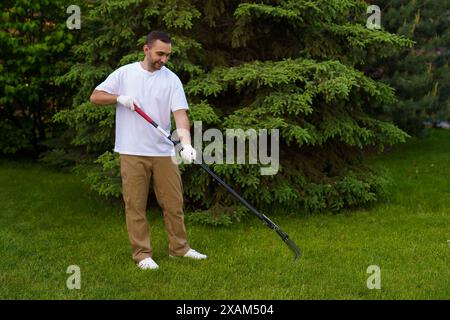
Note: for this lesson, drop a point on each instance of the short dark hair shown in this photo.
(157, 35)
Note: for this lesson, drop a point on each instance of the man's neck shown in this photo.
(145, 66)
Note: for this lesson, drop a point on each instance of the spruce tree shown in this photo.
(294, 66)
(34, 42)
(420, 75)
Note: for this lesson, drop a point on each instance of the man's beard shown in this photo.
(155, 65)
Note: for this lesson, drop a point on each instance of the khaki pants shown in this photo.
(137, 172)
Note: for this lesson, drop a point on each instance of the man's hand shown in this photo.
(188, 153)
(126, 101)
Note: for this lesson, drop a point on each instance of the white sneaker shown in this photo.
(195, 255)
(147, 263)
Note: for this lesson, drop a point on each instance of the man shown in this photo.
(145, 155)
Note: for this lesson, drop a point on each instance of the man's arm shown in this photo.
(183, 128)
(188, 153)
(102, 97)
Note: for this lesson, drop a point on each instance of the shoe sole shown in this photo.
(188, 257)
(148, 268)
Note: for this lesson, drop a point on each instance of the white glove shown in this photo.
(188, 154)
(126, 101)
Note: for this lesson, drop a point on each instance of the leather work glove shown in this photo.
(126, 101)
(188, 153)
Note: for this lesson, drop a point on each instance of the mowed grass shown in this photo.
(50, 220)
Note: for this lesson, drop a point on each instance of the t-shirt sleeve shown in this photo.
(111, 84)
(178, 98)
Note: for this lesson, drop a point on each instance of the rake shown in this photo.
(269, 223)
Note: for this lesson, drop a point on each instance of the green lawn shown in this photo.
(49, 221)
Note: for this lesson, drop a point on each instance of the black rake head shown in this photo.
(283, 235)
(291, 244)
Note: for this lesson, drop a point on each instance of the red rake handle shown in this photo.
(144, 115)
(153, 123)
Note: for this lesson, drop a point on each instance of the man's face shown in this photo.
(157, 54)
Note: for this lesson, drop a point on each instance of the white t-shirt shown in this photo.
(158, 94)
